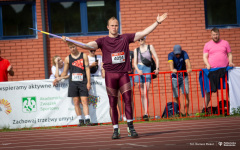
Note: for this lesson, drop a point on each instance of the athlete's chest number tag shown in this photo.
(77, 77)
(118, 58)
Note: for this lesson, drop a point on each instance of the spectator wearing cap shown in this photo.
(178, 60)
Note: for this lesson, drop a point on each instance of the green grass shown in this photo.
(187, 118)
(7, 129)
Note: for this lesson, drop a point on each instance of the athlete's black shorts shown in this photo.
(79, 90)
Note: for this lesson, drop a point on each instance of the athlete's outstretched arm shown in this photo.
(89, 46)
(149, 29)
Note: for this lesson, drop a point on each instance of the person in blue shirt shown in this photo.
(178, 61)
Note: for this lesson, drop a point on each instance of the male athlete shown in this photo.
(116, 63)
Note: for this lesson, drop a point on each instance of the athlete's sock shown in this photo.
(115, 126)
(87, 117)
(129, 120)
(80, 117)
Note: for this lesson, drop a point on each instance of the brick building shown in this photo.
(188, 24)
(185, 25)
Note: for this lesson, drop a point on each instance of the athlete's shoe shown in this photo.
(81, 123)
(116, 134)
(131, 131)
(145, 118)
(87, 122)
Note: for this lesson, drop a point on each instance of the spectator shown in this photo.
(57, 67)
(178, 61)
(5, 69)
(79, 81)
(144, 51)
(216, 54)
(95, 64)
(116, 59)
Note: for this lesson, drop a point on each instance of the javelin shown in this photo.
(69, 40)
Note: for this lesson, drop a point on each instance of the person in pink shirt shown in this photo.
(216, 54)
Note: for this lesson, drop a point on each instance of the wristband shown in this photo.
(158, 22)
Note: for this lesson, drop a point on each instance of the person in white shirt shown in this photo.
(57, 67)
(95, 64)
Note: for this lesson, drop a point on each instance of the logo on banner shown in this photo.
(29, 104)
(93, 100)
(5, 106)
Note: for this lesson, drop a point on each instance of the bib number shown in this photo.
(77, 77)
(118, 58)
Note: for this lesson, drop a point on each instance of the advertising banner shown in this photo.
(37, 103)
(234, 86)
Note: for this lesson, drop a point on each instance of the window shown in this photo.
(222, 13)
(81, 17)
(16, 17)
(65, 17)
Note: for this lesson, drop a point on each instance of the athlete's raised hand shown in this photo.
(161, 18)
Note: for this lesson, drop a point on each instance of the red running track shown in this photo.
(206, 134)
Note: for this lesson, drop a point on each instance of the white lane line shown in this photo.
(136, 145)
